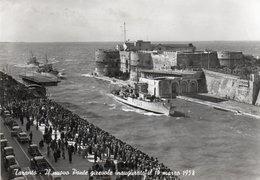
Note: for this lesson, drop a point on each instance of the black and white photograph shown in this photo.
(130, 89)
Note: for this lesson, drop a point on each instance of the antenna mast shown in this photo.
(124, 33)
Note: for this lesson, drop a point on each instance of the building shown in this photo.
(169, 84)
(143, 45)
(136, 46)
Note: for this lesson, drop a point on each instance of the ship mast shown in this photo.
(124, 32)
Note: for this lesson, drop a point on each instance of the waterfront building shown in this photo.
(143, 45)
(168, 84)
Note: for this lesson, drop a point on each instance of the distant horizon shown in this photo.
(128, 41)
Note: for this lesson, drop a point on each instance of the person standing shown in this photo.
(21, 118)
(70, 153)
(31, 135)
(28, 126)
(55, 155)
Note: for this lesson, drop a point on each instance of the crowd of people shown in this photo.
(87, 138)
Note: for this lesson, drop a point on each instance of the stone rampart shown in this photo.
(231, 87)
(258, 99)
(164, 61)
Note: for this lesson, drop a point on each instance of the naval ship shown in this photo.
(147, 103)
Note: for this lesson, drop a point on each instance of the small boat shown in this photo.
(155, 105)
(46, 69)
(33, 60)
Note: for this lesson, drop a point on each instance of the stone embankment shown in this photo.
(227, 105)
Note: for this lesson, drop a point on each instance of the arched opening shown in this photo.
(165, 88)
(175, 88)
(193, 86)
(184, 87)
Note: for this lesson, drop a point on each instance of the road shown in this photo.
(21, 155)
(23, 158)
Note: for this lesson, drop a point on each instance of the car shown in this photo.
(4, 143)
(33, 150)
(19, 178)
(15, 130)
(9, 161)
(55, 177)
(2, 136)
(23, 137)
(8, 151)
(12, 171)
(12, 123)
(7, 119)
(39, 164)
(7, 113)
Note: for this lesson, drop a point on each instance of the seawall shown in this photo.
(232, 87)
(258, 99)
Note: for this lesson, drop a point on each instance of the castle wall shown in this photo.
(175, 47)
(124, 61)
(258, 99)
(231, 87)
(107, 62)
(164, 61)
(198, 59)
(230, 59)
(138, 61)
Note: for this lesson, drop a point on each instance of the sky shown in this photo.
(153, 20)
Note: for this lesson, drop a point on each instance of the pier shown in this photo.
(39, 79)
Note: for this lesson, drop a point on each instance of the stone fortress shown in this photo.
(168, 70)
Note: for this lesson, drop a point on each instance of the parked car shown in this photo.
(33, 150)
(4, 143)
(7, 119)
(39, 164)
(9, 161)
(55, 177)
(11, 123)
(12, 171)
(15, 130)
(22, 137)
(2, 136)
(19, 178)
(6, 113)
(8, 151)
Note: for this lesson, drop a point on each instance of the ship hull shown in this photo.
(155, 107)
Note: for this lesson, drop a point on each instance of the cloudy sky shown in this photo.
(154, 20)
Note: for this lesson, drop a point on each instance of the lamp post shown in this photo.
(2, 89)
(208, 59)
